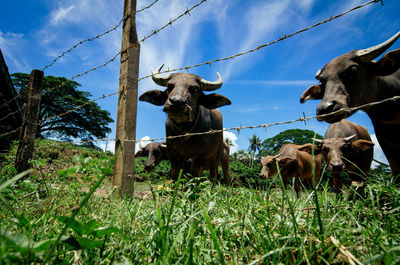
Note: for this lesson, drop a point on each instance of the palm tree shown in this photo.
(255, 145)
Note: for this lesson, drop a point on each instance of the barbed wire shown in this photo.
(121, 51)
(205, 63)
(97, 36)
(264, 126)
(217, 60)
(10, 114)
(12, 99)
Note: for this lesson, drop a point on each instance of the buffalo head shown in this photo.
(350, 80)
(155, 152)
(183, 95)
(269, 168)
(334, 150)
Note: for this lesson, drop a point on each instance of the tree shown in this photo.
(272, 145)
(60, 95)
(255, 145)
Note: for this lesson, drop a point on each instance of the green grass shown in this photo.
(51, 219)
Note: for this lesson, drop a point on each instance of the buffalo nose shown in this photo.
(148, 167)
(337, 166)
(177, 102)
(326, 107)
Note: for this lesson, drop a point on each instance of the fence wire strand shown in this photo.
(97, 36)
(265, 125)
(209, 63)
(216, 60)
(121, 51)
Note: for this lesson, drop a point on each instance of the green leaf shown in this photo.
(87, 243)
(101, 231)
(37, 246)
(14, 179)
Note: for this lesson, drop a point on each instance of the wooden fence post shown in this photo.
(127, 103)
(29, 122)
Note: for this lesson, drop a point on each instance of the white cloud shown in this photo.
(60, 14)
(142, 143)
(10, 44)
(107, 146)
(378, 152)
(231, 136)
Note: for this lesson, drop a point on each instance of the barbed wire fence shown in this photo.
(220, 59)
(239, 128)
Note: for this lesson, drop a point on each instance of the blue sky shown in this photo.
(264, 86)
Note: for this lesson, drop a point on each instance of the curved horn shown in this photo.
(367, 55)
(318, 141)
(158, 79)
(211, 86)
(348, 139)
(276, 156)
(163, 145)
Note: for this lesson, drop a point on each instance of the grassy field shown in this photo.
(56, 216)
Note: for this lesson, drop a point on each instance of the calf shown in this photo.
(293, 161)
(346, 147)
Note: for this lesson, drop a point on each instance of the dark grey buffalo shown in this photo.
(354, 79)
(190, 110)
(346, 147)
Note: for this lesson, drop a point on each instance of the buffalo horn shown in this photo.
(211, 86)
(348, 139)
(158, 79)
(276, 156)
(163, 145)
(367, 55)
(318, 141)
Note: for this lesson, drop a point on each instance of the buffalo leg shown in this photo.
(297, 186)
(225, 170)
(337, 183)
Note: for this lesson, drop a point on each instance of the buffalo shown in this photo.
(354, 79)
(346, 147)
(293, 161)
(155, 153)
(189, 110)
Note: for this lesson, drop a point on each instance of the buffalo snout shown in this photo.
(336, 167)
(329, 107)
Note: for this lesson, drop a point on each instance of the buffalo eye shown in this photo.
(325, 149)
(350, 73)
(170, 87)
(194, 89)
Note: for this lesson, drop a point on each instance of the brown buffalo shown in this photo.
(346, 147)
(293, 161)
(354, 79)
(190, 110)
(156, 152)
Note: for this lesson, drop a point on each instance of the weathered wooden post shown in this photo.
(29, 123)
(127, 102)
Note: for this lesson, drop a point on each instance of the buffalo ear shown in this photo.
(313, 92)
(362, 145)
(387, 65)
(156, 97)
(139, 153)
(308, 148)
(213, 100)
